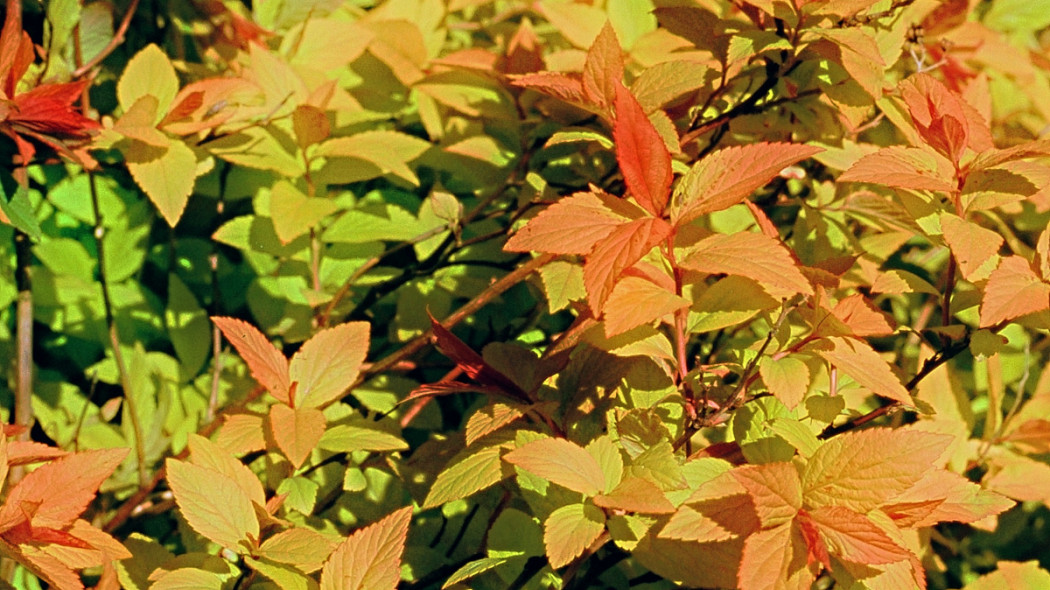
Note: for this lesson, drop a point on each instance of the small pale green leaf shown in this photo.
(304, 548)
(473, 470)
(149, 73)
(293, 213)
(361, 435)
(188, 326)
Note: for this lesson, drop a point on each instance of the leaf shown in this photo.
(635, 494)
(241, 433)
(472, 470)
(603, 68)
(390, 151)
(293, 213)
(971, 245)
(863, 469)
(473, 364)
(311, 125)
(561, 462)
(688, 524)
(853, 537)
(861, 317)
(187, 325)
(635, 301)
(608, 455)
(903, 167)
(474, 568)
(304, 548)
(641, 154)
(149, 73)
(214, 505)
(296, 431)
(205, 453)
(361, 435)
(166, 175)
(948, 497)
(369, 559)
(1013, 290)
(328, 364)
(786, 378)
(187, 579)
(938, 114)
(284, 576)
(752, 255)
(775, 490)
(859, 360)
(491, 418)
(776, 559)
(617, 252)
(267, 364)
(728, 176)
(1012, 575)
(561, 86)
(569, 530)
(573, 225)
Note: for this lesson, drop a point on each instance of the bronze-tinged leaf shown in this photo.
(687, 524)
(561, 86)
(752, 255)
(777, 559)
(491, 418)
(603, 69)
(635, 301)
(328, 363)
(728, 176)
(635, 494)
(214, 505)
(55, 494)
(641, 153)
(296, 431)
(663, 83)
(267, 364)
(369, 559)
(950, 498)
(241, 433)
(618, 251)
(569, 530)
(573, 225)
(311, 125)
(864, 469)
(1013, 290)
(853, 537)
(856, 50)
(775, 490)
(473, 364)
(859, 360)
(562, 462)
(971, 245)
(472, 470)
(903, 167)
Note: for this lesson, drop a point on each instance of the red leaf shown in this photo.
(603, 69)
(48, 109)
(620, 250)
(641, 153)
(728, 176)
(472, 364)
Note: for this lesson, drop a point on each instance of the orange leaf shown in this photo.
(573, 225)
(864, 469)
(903, 167)
(635, 301)
(618, 251)
(776, 559)
(635, 494)
(369, 559)
(562, 462)
(641, 153)
(971, 245)
(603, 69)
(560, 86)
(954, 499)
(859, 360)
(861, 317)
(775, 489)
(853, 537)
(296, 431)
(328, 364)
(688, 524)
(730, 175)
(569, 530)
(267, 364)
(938, 114)
(55, 494)
(1013, 290)
(752, 255)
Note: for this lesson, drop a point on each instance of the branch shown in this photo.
(118, 38)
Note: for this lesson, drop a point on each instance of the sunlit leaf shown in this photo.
(369, 559)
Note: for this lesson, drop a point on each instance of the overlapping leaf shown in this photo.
(369, 559)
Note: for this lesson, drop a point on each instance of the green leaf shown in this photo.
(787, 378)
(285, 576)
(20, 213)
(562, 462)
(472, 470)
(369, 559)
(361, 435)
(166, 175)
(607, 453)
(214, 505)
(188, 327)
(204, 453)
(149, 73)
(293, 213)
(388, 151)
(569, 530)
(66, 256)
(474, 568)
(302, 494)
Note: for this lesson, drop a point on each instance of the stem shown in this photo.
(114, 337)
(118, 38)
(24, 338)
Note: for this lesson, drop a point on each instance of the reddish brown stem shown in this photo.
(118, 38)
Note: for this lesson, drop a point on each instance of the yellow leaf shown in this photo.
(214, 505)
(304, 548)
(328, 363)
(786, 378)
(971, 245)
(166, 174)
(293, 213)
(149, 73)
(296, 431)
(569, 530)
(369, 559)
(776, 559)
(774, 488)
(635, 301)
(561, 462)
(205, 453)
(859, 360)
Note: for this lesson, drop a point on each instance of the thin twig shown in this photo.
(118, 38)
